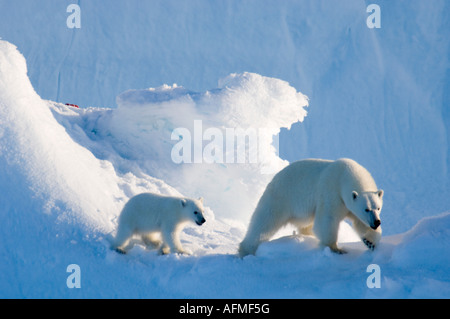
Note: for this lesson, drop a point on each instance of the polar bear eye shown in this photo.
(195, 213)
(367, 210)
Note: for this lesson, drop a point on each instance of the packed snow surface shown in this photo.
(66, 173)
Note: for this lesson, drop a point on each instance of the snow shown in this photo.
(377, 96)
(138, 135)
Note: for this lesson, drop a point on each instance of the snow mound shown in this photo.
(144, 134)
(148, 123)
(426, 245)
(39, 154)
(38, 151)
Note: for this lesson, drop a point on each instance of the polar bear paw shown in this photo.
(369, 244)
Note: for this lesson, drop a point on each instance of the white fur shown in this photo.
(150, 215)
(316, 195)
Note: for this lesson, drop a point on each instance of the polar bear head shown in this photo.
(367, 207)
(193, 210)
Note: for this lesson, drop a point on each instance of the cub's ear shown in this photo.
(354, 195)
(200, 199)
(183, 202)
(380, 193)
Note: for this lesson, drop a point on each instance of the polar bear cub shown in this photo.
(150, 215)
(316, 195)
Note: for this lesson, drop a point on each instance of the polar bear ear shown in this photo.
(354, 195)
(380, 193)
(200, 199)
(183, 202)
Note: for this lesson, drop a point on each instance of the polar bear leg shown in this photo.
(264, 224)
(248, 247)
(326, 227)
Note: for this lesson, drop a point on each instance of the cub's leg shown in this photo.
(152, 240)
(120, 243)
(171, 240)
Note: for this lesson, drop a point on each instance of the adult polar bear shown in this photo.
(316, 195)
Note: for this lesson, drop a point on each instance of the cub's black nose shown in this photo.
(201, 222)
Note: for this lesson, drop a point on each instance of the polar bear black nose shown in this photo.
(201, 222)
(376, 223)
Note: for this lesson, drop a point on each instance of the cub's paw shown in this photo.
(163, 250)
(369, 244)
(120, 251)
(184, 252)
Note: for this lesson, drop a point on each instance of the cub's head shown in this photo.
(367, 207)
(193, 210)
